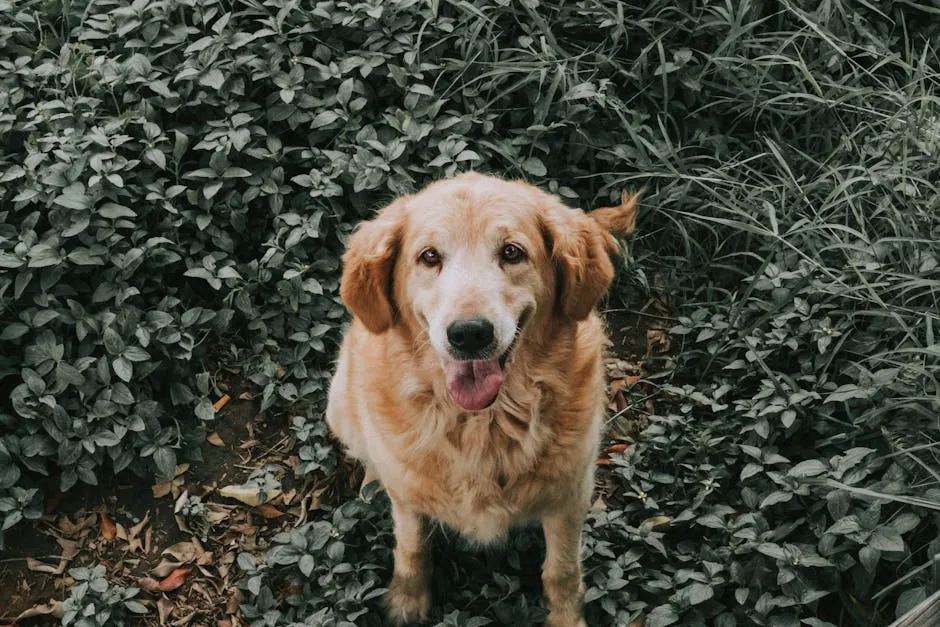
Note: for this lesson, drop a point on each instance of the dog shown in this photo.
(470, 382)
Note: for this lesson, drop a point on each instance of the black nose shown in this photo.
(470, 337)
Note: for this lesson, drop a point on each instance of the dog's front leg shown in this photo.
(561, 571)
(409, 593)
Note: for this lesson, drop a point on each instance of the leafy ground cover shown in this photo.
(177, 181)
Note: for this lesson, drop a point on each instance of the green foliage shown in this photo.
(328, 567)
(94, 602)
(178, 179)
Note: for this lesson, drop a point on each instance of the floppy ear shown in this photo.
(581, 247)
(366, 285)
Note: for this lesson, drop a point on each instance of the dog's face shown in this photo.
(469, 262)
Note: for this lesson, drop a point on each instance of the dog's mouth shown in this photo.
(474, 384)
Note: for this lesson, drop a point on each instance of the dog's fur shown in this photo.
(531, 454)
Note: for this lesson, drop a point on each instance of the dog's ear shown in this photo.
(366, 284)
(619, 220)
(581, 247)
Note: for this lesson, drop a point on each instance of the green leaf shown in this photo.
(535, 167)
(845, 526)
(662, 616)
(113, 342)
(78, 226)
(73, 197)
(909, 599)
(284, 554)
(123, 368)
(180, 145)
(113, 211)
(136, 607)
(13, 331)
(136, 354)
(869, 557)
(886, 539)
(165, 460)
(211, 189)
(43, 256)
(67, 374)
(775, 497)
(695, 593)
(8, 260)
(808, 468)
(847, 392)
(233, 172)
(204, 410)
(156, 157)
(771, 550)
(213, 78)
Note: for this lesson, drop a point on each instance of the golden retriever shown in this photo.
(471, 383)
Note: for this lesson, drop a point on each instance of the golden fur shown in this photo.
(531, 454)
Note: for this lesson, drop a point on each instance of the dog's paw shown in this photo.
(408, 600)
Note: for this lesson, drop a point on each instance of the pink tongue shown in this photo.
(474, 384)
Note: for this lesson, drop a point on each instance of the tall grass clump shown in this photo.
(178, 179)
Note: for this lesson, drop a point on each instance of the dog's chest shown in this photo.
(482, 480)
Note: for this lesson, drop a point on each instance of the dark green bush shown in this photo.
(178, 178)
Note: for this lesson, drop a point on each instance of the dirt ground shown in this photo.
(189, 577)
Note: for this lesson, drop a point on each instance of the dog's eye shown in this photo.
(512, 254)
(430, 257)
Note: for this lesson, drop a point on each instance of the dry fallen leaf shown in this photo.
(185, 620)
(204, 558)
(161, 489)
(148, 584)
(218, 512)
(619, 401)
(173, 486)
(69, 551)
(82, 524)
(657, 341)
(269, 511)
(616, 448)
(134, 542)
(182, 552)
(164, 568)
(40, 567)
(164, 609)
(249, 495)
(52, 608)
(656, 522)
(174, 580)
(108, 530)
(288, 496)
(234, 600)
(215, 440)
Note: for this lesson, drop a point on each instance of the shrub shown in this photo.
(94, 602)
(179, 178)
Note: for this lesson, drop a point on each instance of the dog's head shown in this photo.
(470, 262)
